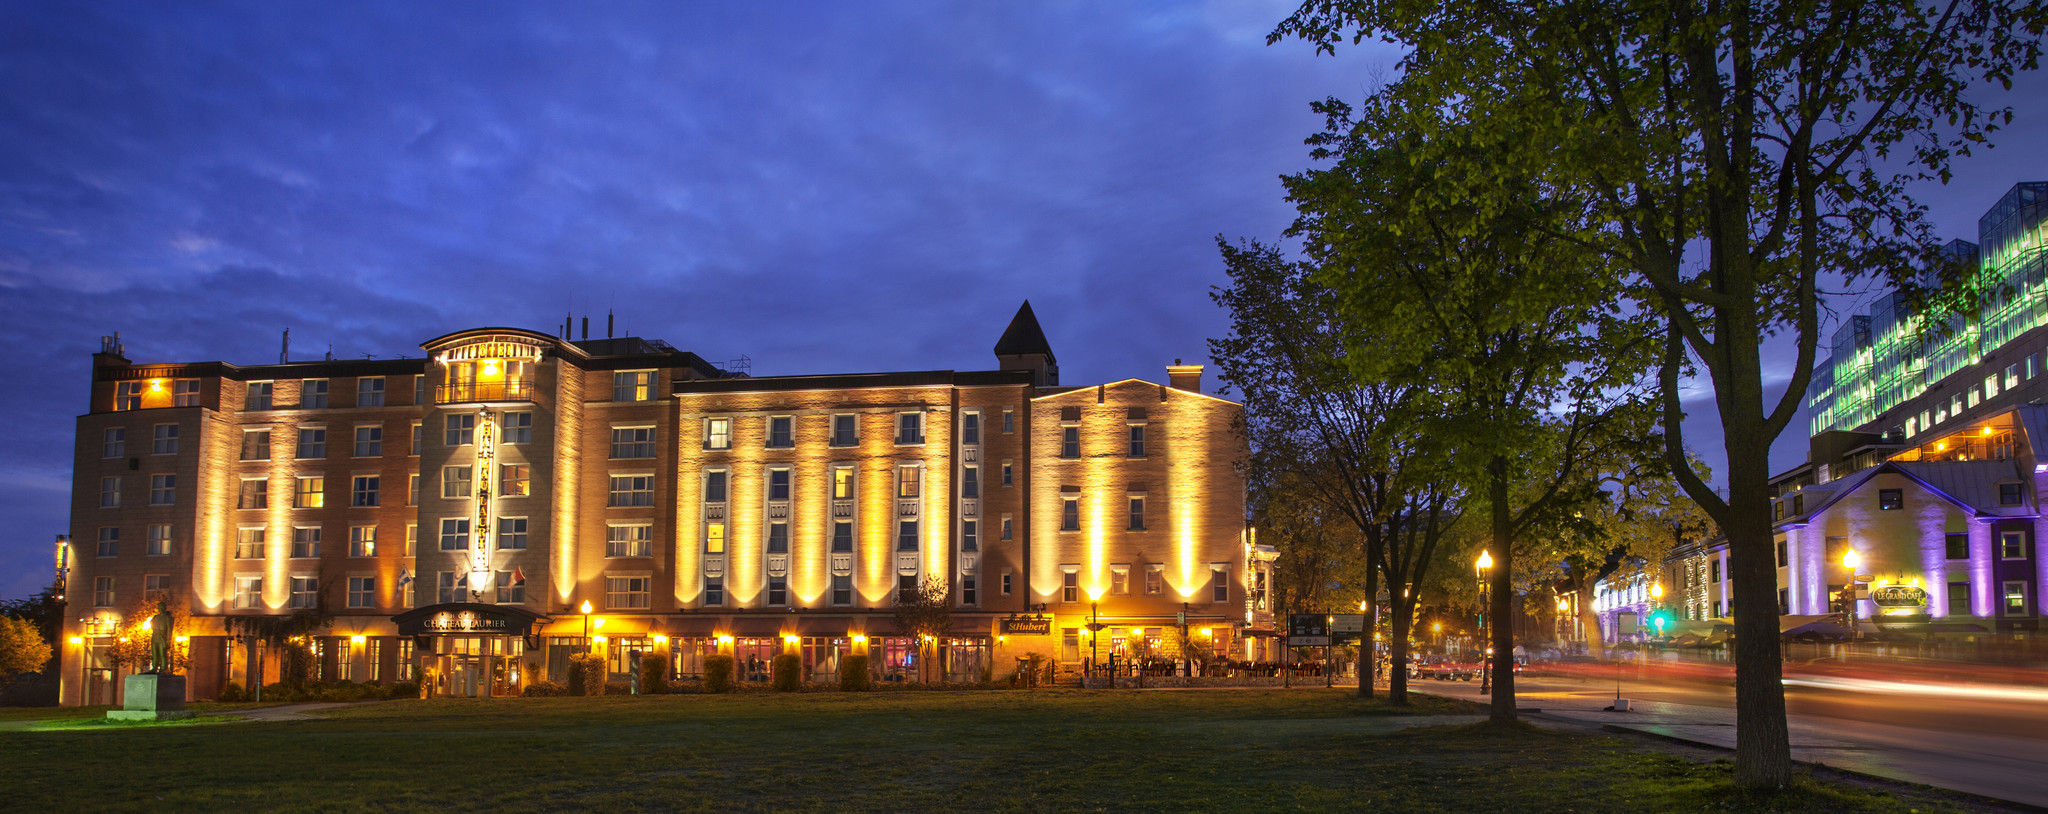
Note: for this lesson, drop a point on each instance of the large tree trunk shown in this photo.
(1502, 585)
(1397, 666)
(1374, 544)
(1763, 751)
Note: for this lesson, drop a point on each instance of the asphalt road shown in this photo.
(1987, 739)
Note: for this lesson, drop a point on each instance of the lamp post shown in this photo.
(586, 625)
(1564, 607)
(1480, 569)
(1094, 628)
(1850, 560)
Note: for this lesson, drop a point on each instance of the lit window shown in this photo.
(515, 480)
(369, 441)
(842, 483)
(312, 443)
(305, 592)
(1120, 579)
(362, 592)
(249, 544)
(517, 429)
(370, 392)
(632, 442)
(455, 482)
(907, 480)
(780, 432)
(633, 385)
(259, 395)
(718, 433)
(109, 542)
(163, 489)
(2015, 598)
(114, 442)
(306, 542)
(626, 593)
(629, 541)
(314, 394)
(511, 534)
(159, 541)
(632, 490)
(165, 440)
(454, 533)
(714, 538)
(255, 494)
(362, 541)
(458, 430)
(363, 490)
(910, 428)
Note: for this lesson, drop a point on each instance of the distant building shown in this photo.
(456, 513)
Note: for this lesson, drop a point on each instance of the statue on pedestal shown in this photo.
(160, 639)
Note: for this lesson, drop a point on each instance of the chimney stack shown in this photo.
(1184, 377)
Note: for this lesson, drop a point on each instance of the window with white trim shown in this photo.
(714, 538)
(455, 482)
(632, 490)
(102, 592)
(970, 536)
(255, 445)
(164, 440)
(311, 492)
(633, 385)
(363, 490)
(458, 429)
(517, 428)
(781, 432)
(714, 592)
(718, 433)
(627, 593)
(110, 492)
(970, 428)
(845, 430)
(163, 490)
(515, 480)
(629, 540)
(970, 482)
(362, 592)
(259, 396)
(305, 592)
(185, 393)
(842, 537)
(910, 428)
(369, 392)
(305, 542)
(454, 533)
(312, 442)
(632, 442)
(114, 442)
(248, 593)
(1070, 513)
(778, 538)
(510, 590)
(313, 394)
(109, 543)
(1219, 582)
(842, 589)
(362, 541)
(158, 544)
(418, 433)
(249, 543)
(906, 535)
(369, 441)
(511, 534)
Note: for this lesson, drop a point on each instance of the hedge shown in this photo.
(853, 674)
(653, 673)
(718, 673)
(788, 672)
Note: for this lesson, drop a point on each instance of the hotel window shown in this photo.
(1784, 601)
(110, 493)
(114, 442)
(418, 431)
(718, 433)
(1070, 586)
(908, 477)
(314, 396)
(1890, 499)
(714, 486)
(369, 441)
(102, 592)
(2009, 494)
(1782, 560)
(362, 592)
(632, 442)
(249, 544)
(1008, 479)
(1009, 422)
(778, 538)
(632, 490)
(454, 533)
(714, 592)
(906, 588)
(1006, 582)
(778, 591)
(305, 592)
(448, 592)
(363, 491)
(635, 540)
(259, 395)
(362, 541)
(128, 396)
(1120, 580)
(842, 589)
(970, 482)
(714, 538)
(255, 445)
(1959, 599)
(1714, 570)
(514, 480)
(780, 435)
(158, 543)
(2015, 598)
(2012, 374)
(2012, 545)
(109, 542)
(970, 428)
(165, 440)
(968, 594)
(845, 432)
(1006, 528)
(312, 442)
(412, 539)
(842, 537)
(906, 535)
(517, 428)
(1137, 440)
(412, 489)
(185, 393)
(1070, 513)
(778, 484)
(1219, 582)
(306, 542)
(1137, 513)
(970, 539)
(511, 534)
(163, 489)
(370, 391)
(1070, 441)
(1958, 546)
(458, 430)
(156, 586)
(511, 591)
(455, 482)
(248, 593)
(842, 483)
(633, 385)
(419, 389)
(910, 428)
(1155, 581)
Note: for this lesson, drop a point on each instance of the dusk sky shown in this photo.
(823, 188)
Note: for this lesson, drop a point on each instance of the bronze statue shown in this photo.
(160, 639)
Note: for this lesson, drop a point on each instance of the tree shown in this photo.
(22, 648)
(44, 614)
(279, 633)
(1725, 152)
(131, 649)
(925, 615)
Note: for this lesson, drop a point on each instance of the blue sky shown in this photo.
(828, 187)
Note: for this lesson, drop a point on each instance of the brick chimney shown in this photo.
(1184, 377)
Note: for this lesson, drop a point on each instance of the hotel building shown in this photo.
(474, 517)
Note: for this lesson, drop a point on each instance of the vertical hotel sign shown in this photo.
(480, 576)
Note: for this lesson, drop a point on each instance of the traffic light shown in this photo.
(1661, 619)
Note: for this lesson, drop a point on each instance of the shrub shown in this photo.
(618, 688)
(853, 674)
(233, 693)
(718, 673)
(653, 674)
(788, 672)
(544, 689)
(403, 689)
(586, 674)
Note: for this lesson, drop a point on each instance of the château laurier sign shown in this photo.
(1039, 625)
(465, 617)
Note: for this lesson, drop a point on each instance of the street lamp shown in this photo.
(1094, 627)
(1849, 562)
(586, 625)
(1480, 568)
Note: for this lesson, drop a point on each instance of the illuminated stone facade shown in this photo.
(694, 510)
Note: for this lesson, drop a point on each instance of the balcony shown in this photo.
(483, 391)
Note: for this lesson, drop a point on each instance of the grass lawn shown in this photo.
(1250, 750)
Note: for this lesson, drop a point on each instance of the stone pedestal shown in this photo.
(151, 697)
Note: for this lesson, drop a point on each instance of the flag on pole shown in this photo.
(404, 578)
(518, 576)
(462, 579)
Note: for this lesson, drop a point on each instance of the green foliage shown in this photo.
(654, 672)
(232, 692)
(787, 672)
(22, 648)
(853, 674)
(405, 689)
(926, 612)
(544, 689)
(586, 674)
(718, 673)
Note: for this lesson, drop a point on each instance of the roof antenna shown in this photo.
(284, 357)
(330, 351)
(586, 327)
(607, 323)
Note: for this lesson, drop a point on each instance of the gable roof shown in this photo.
(1968, 485)
(1024, 337)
